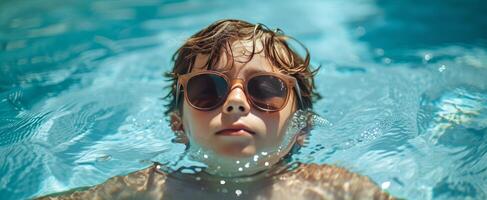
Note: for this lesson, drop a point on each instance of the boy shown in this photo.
(235, 87)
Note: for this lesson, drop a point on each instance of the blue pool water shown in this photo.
(404, 87)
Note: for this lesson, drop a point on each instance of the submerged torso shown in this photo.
(307, 181)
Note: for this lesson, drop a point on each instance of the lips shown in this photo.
(236, 130)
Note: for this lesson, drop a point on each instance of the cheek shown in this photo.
(196, 123)
(272, 123)
(276, 122)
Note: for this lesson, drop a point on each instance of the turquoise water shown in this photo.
(404, 85)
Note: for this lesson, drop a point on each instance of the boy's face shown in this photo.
(243, 130)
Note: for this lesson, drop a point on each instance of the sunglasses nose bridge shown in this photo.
(236, 83)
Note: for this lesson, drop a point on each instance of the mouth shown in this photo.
(236, 130)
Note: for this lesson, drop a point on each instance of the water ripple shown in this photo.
(455, 109)
(21, 128)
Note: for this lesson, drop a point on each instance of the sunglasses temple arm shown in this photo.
(298, 91)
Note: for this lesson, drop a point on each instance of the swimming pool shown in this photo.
(404, 88)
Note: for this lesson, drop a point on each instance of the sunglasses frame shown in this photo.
(290, 82)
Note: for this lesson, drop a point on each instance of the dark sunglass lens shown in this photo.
(267, 92)
(206, 90)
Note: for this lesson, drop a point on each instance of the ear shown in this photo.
(176, 121)
(302, 135)
(301, 138)
(178, 128)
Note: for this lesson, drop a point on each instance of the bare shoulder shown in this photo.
(313, 181)
(147, 183)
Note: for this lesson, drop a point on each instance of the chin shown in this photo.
(238, 152)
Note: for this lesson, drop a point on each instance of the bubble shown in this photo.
(205, 156)
(238, 192)
(427, 57)
(222, 182)
(247, 165)
(266, 163)
(240, 169)
(238, 161)
(386, 60)
(264, 153)
(256, 157)
(442, 68)
(360, 31)
(319, 121)
(198, 178)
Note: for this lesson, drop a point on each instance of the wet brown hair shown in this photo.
(216, 39)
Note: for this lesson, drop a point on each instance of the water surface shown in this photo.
(403, 84)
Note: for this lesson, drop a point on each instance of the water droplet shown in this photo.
(238, 161)
(442, 68)
(247, 165)
(385, 185)
(264, 153)
(256, 157)
(240, 169)
(238, 192)
(158, 167)
(266, 163)
(198, 178)
(222, 182)
(205, 156)
(427, 57)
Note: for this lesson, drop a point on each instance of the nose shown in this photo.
(236, 102)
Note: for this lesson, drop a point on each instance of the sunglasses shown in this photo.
(207, 90)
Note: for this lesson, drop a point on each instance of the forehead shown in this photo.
(237, 60)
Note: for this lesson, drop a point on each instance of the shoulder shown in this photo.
(329, 182)
(138, 184)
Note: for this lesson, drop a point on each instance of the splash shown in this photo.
(197, 158)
